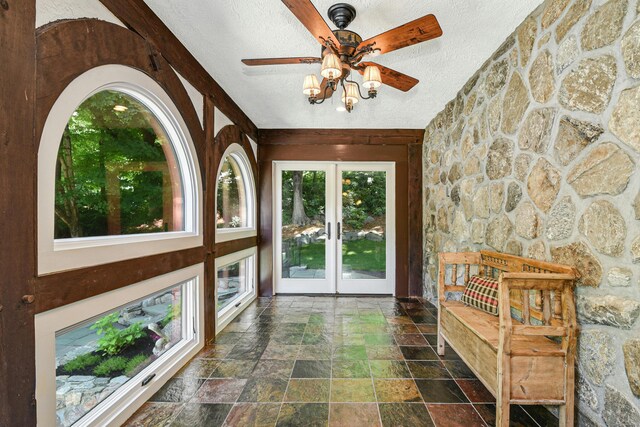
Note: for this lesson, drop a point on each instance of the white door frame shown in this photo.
(333, 282)
(370, 286)
(304, 286)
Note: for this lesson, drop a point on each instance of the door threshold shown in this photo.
(335, 295)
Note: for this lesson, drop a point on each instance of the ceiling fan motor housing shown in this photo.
(342, 14)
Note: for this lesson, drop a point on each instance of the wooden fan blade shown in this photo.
(392, 78)
(282, 61)
(323, 85)
(414, 32)
(306, 13)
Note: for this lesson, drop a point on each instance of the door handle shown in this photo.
(339, 232)
(328, 231)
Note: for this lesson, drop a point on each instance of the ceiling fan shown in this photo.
(343, 51)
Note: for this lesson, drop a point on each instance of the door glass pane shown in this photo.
(234, 281)
(98, 356)
(303, 225)
(364, 200)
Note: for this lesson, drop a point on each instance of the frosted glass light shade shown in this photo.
(331, 67)
(351, 93)
(372, 78)
(311, 85)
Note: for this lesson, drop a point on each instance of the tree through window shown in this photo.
(116, 171)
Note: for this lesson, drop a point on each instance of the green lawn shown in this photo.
(361, 255)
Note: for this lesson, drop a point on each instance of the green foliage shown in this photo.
(112, 364)
(172, 313)
(81, 362)
(354, 215)
(360, 255)
(99, 140)
(114, 340)
(364, 195)
(133, 363)
(313, 190)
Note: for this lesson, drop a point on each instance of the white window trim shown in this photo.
(63, 254)
(226, 315)
(121, 404)
(240, 156)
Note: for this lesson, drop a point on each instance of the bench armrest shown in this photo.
(454, 259)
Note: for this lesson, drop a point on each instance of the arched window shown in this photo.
(235, 196)
(117, 174)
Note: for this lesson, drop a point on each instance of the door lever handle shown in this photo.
(339, 232)
(328, 231)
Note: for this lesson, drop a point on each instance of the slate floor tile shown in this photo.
(350, 369)
(397, 390)
(267, 368)
(177, 390)
(312, 369)
(418, 353)
(476, 391)
(198, 368)
(308, 390)
(263, 390)
(350, 352)
(386, 352)
(389, 369)
(459, 369)
(234, 369)
(207, 414)
(253, 415)
(154, 414)
(428, 369)
(219, 391)
(411, 339)
(353, 415)
(455, 415)
(405, 415)
(352, 390)
(347, 361)
(303, 415)
(441, 391)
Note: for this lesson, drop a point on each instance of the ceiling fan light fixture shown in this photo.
(350, 94)
(372, 78)
(311, 85)
(331, 67)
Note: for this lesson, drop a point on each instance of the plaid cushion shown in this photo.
(482, 293)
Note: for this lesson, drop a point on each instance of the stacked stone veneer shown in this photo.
(539, 155)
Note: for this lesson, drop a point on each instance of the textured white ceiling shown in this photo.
(219, 33)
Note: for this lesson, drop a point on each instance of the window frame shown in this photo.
(63, 254)
(238, 153)
(226, 315)
(122, 403)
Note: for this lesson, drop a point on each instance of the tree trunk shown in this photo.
(70, 213)
(299, 217)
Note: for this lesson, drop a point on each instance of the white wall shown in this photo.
(53, 10)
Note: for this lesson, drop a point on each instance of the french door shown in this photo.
(334, 228)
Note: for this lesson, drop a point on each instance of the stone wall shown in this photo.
(539, 155)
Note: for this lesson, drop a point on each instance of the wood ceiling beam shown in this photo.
(340, 136)
(139, 17)
(17, 207)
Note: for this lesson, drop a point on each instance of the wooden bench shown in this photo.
(525, 355)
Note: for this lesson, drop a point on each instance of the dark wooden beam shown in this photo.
(17, 208)
(340, 136)
(140, 18)
(227, 248)
(56, 290)
(210, 311)
(415, 220)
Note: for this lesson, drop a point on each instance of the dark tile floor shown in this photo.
(318, 361)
